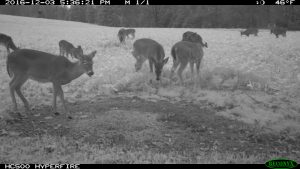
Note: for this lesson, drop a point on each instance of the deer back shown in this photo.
(37, 65)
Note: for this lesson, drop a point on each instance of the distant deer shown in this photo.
(27, 64)
(66, 48)
(193, 37)
(271, 27)
(124, 33)
(185, 52)
(250, 31)
(144, 49)
(7, 42)
(278, 31)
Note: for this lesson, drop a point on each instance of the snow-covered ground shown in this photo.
(264, 59)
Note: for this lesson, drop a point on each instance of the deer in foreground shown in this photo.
(193, 37)
(7, 42)
(144, 49)
(43, 67)
(124, 33)
(66, 48)
(185, 52)
(250, 31)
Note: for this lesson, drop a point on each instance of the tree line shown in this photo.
(175, 16)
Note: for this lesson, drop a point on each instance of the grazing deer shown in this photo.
(27, 64)
(66, 48)
(193, 37)
(124, 33)
(144, 49)
(185, 52)
(7, 42)
(279, 31)
(250, 31)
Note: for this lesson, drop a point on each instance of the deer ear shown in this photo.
(93, 54)
(166, 60)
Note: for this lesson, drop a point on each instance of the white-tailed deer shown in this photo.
(278, 31)
(66, 48)
(144, 49)
(7, 42)
(250, 31)
(185, 52)
(43, 67)
(193, 37)
(124, 33)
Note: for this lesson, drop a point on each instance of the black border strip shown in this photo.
(149, 2)
(89, 166)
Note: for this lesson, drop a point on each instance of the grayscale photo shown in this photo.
(155, 84)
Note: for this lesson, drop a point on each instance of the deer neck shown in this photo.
(75, 71)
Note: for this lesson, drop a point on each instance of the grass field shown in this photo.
(146, 122)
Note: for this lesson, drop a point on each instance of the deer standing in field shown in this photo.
(66, 48)
(124, 33)
(250, 31)
(7, 42)
(278, 31)
(185, 52)
(193, 37)
(144, 49)
(43, 67)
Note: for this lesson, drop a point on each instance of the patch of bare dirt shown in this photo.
(161, 126)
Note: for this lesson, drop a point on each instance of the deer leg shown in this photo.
(198, 70)
(12, 87)
(18, 91)
(151, 65)
(54, 98)
(174, 67)
(180, 70)
(192, 70)
(61, 95)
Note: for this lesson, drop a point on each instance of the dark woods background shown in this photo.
(191, 16)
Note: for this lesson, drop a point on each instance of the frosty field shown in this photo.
(123, 116)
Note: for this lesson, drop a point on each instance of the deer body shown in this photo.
(193, 37)
(250, 31)
(66, 48)
(7, 42)
(43, 67)
(278, 31)
(144, 49)
(185, 52)
(124, 33)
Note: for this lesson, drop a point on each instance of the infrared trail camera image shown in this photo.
(149, 84)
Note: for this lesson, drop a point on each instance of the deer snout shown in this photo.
(90, 73)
